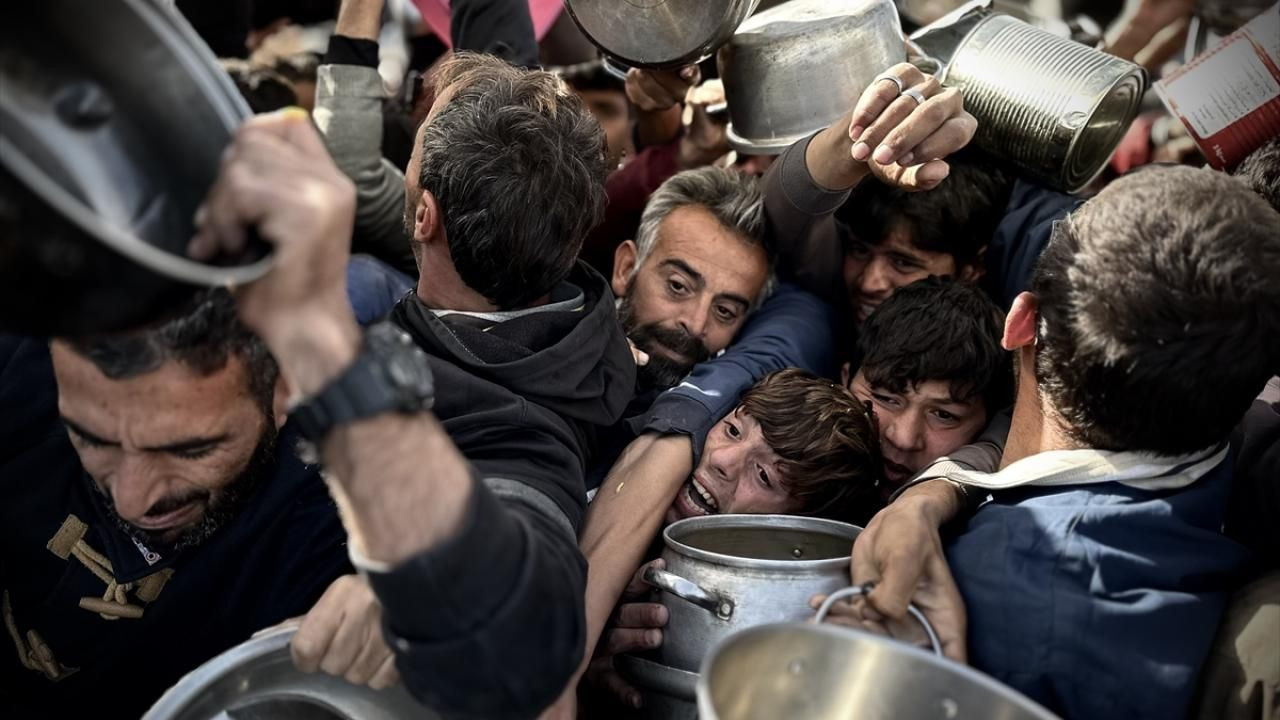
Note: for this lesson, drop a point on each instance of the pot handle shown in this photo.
(689, 591)
(866, 589)
(615, 68)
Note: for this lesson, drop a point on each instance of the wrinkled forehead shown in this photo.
(170, 399)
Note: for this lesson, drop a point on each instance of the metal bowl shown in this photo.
(796, 68)
(114, 116)
(801, 670)
(661, 34)
(257, 680)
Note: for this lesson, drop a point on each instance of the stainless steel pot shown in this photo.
(114, 118)
(821, 672)
(257, 680)
(794, 69)
(669, 694)
(660, 34)
(729, 572)
(1053, 107)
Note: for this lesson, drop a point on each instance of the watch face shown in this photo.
(406, 365)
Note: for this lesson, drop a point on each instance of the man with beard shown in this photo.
(153, 515)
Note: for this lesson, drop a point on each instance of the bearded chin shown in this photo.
(661, 372)
(222, 505)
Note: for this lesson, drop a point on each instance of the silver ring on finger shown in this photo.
(914, 94)
(891, 78)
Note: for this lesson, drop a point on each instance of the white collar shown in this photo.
(1145, 471)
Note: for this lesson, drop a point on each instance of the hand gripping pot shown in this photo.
(659, 34)
(794, 69)
(257, 680)
(729, 572)
(113, 119)
(811, 670)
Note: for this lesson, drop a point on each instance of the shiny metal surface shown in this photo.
(1052, 107)
(257, 679)
(659, 33)
(115, 135)
(766, 566)
(796, 68)
(934, 643)
(801, 670)
(669, 694)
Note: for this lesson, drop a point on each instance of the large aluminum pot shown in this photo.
(794, 69)
(660, 34)
(824, 672)
(729, 572)
(113, 119)
(1052, 107)
(257, 680)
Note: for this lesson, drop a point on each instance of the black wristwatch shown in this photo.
(391, 374)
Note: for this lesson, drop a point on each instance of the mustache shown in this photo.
(662, 371)
(176, 502)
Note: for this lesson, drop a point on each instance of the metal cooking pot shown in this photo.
(821, 672)
(669, 694)
(729, 572)
(113, 118)
(796, 68)
(257, 680)
(660, 34)
(1054, 108)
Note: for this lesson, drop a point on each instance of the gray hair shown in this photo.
(735, 199)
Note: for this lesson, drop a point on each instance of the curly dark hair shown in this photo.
(202, 335)
(938, 329)
(1159, 311)
(825, 438)
(517, 164)
(1261, 171)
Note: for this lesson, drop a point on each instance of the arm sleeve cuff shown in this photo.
(799, 187)
(345, 50)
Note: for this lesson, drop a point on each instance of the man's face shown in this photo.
(169, 450)
(609, 108)
(873, 272)
(738, 473)
(919, 425)
(691, 295)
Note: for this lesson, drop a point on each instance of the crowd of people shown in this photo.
(523, 314)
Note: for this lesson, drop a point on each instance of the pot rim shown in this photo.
(706, 708)
(836, 528)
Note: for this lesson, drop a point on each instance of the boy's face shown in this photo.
(873, 272)
(920, 424)
(738, 473)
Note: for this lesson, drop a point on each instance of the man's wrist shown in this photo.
(316, 349)
(939, 500)
(829, 159)
(361, 19)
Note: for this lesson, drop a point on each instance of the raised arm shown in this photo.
(473, 575)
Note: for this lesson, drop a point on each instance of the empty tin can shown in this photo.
(1054, 108)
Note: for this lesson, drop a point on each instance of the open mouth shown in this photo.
(697, 500)
(170, 520)
(896, 473)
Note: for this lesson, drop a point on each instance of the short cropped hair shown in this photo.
(825, 438)
(958, 217)
(1159, 311)
(938, 329)
(735, 199)
(1261, 171)
(202, 336)
(517, 165)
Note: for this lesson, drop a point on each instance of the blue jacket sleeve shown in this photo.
(792, 329)
(1021, 236)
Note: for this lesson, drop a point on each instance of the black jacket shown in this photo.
(270, 563)
(490, 624)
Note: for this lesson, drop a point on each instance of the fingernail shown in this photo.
(635, 700)
(642, 357)
(198, 218)
(905, 160)
(855, 132)
(861, 151)
(653, 638)
(294, 112)
(688, 73)
(884, 155)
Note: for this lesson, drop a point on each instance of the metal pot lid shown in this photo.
(658, 33)
(764, 542)
(119, 130)
(257, 680)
